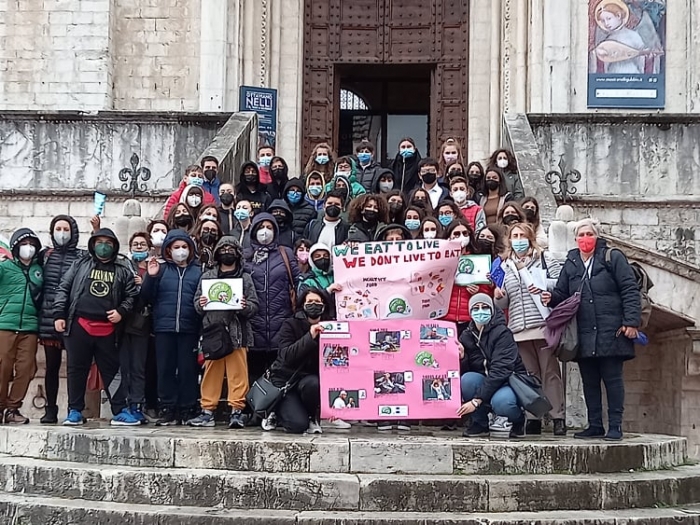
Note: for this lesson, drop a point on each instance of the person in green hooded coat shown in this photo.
(346, 178)
(321, 274)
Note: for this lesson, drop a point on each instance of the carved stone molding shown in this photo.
(73, 196)
(506, 49)
(635, 201)
(264, 41)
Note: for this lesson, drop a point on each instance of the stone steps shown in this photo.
(349, 492)
(360, 452)
(28, 510)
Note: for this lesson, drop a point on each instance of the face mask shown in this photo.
(322, 159)
(450, 157)
(474, 178)
(502, 163)
(520, 245)
(395, 207)
(194, 200)
(264, 161)
(183, 220)
(157, 239)
(459, 196)
(429, 235)
(412, 224)
(455, 173)
(345, 174)
(464, 241)
(196, 182)
(370, 215)
(264, 236)
(181, 254)
(445, 220)
(280, 219)
(364, 157)
(510, 219)
(210, 174)
(294, 196)
(385, 187)
(492, 184)
(209, 238)
(227, 259)
(241, 214)
(226, 199)
(429, 177)
(315, 191)
(279, 173)
(486, 245)
(333, 211)
(102, 249)
(210, 218)
(302, 257)
(61, 237)
(481, 316)
(26, 252)
(586, 244)
(529, 214)
(323, 264)
(313, 310)
(408, 152)
(139, 256)
(250, 179)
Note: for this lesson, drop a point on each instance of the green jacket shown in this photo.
(316, 279)
(20, 292)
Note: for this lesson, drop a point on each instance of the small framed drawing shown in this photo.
(223, 294)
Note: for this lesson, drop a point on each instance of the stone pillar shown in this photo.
(129, 223)
(214, 56)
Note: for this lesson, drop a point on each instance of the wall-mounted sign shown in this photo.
(262, 101)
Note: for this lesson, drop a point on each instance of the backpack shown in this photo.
(644, 283)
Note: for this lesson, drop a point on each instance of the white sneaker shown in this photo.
(270, 422)
(366, 423)
(314, 428)
(403, 426)
(500, 427)
(384, 426)
(338, 424)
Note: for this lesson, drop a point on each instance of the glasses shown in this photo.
(139, 245)
(207, 230)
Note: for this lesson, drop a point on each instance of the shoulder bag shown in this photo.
(292, 288)
(215, 342)
(263, 396)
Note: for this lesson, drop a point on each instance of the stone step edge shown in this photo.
(35, 510)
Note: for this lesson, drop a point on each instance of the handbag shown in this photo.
(528, 392)
(567, 349)
(263, 396)
(292, 288)
(215, 342)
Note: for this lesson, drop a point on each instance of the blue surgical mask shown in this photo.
(412, 224)
(196, 181)
(364, 157)
(264, 161)
(322, 159)
(445, 220)
(139, 256)
(241, 214)
(520, 245)
(481, 316)
(315, 190)
(294, 196)
(406, 153)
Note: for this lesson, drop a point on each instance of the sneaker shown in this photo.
(476, 431)
(383, 426)
(151, 415)
(167, 419)
(590, 433)
(50, 416)
(237, 419)
(369, 424)
(138, 414)
(314, 427)
(533, 427)
(559, 427)
(500, 427)
(406, 427)
(74, 418)
(614, 434)
(338, 424)
(518, 430)
(270, 422)
(124, 419)
(205, 419)
(13, 417)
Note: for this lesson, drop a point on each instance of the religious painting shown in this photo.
(626, 50)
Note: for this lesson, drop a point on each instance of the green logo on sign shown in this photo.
(465, 265)
(220, 292)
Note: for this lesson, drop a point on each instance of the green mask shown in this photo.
(104, 250)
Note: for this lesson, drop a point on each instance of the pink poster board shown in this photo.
(395, 279)
(372, 370)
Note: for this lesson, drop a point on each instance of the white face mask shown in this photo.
(194, 201)
(209, 218)
(464, 241)
(26, 252)
(345, 174)
(459, 196)
(264, 236)
(386, 186)
(61, 237)
(429, 235)
(157, 238)
(502, 163)
(180, 254)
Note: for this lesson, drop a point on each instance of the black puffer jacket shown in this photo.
(56, 262)
(286, 236)
(276, 188)
(406, 172)
(609, 300)
(302, 212)
(500, 351)
(259, 198)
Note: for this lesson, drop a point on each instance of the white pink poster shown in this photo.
(395, 279)
(373, 370)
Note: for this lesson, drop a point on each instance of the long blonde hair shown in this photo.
(324, 169)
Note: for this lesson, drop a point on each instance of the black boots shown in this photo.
(50, 416)
(590, 433)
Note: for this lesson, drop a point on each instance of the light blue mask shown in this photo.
(294, 197)
(139, 256)
(264, 161)
(315, 190)
(406, 153)
(412, 224)
(322, 159)
(481, 316)
(520, 245)
(196, 182)
(364, 157)
(445, 220)
(241, 214)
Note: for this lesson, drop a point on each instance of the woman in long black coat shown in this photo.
(608, 319)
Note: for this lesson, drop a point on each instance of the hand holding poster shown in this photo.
(389, 370)
(395, 279)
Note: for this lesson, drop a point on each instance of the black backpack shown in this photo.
(644, 283)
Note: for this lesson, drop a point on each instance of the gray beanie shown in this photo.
(480, 298)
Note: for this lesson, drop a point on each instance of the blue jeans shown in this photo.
(503, 402)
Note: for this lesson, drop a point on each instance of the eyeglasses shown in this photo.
(139, 245)
(207, 230)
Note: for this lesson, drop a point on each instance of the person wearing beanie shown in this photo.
(21, 280)
(490, 356)
(92, 300)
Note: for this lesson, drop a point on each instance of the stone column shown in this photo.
(214, 55)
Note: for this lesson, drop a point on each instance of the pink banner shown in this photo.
(371, 370)
(395, 279)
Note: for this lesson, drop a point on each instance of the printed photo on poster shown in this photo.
(434, 334)
(627, 46)
(340, 399)
(336, 355)
(384, 341)
(389, 383)
(436, 388)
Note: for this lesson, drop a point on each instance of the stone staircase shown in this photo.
(154, 476)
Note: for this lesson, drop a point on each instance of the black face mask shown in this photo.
(323, 264)
(456, 173)
(429, 177)
(370, 216)
(183, 220)
(314, 311)
(227, 259)
(395, 207)
(529, 214)
(226, 199)
(279, 173)
(280, 219)
(333, 211)
(492, 184)
(209, 238)
(486, 245)
(250, 179)
(210, 174)
(510, 219)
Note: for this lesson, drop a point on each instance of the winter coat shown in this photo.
(227, 220)
(259, 198)
(381, 172)
(474, 215)
(514, 185)
(269, 273)
(171, 292)
(20, 287)
(212, 188)
(297, 350)
(56, 261)
(501, 201)
(72, 284)
(302, 212)
(497, 348)
(238, 321)
(368, 176)
(406, 172)
(362, 232)
(356, 189)
(286, 236)
(315, 227)
(174, 199)
(458, 309)
(277, 189)
(609, 300)
(523, 314)
(242, 236)
(317, 278)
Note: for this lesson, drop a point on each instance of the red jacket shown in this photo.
(469, 213)
(175, 198)
(458, 311)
